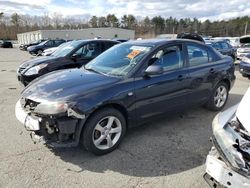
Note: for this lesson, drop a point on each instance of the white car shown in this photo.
(228, 163)
(244, 48)
(49, 51)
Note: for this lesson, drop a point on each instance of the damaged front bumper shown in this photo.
(220, 174)
(228, 163)
(52, 130)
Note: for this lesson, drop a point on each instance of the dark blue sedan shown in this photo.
(127, 85)
(244, 66)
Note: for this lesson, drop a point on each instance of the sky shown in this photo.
(201, 9)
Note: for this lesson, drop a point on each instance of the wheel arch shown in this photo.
(116, 106)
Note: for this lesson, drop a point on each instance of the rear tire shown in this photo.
(219, 97)
(103, 131)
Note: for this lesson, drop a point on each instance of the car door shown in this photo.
(202, 73)
(165, 92)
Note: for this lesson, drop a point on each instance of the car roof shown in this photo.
(91, 40)
(159, 42)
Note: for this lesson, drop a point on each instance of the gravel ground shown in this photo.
(169, 152)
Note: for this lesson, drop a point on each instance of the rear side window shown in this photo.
(169, 58)
(49, 43)
(197, 55)
(58, 42)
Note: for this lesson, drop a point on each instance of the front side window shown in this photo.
(90, 50)
(49, 43)
(119, 60)
(169, 58)
(197, 55)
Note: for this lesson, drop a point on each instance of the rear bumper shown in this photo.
(218, 174)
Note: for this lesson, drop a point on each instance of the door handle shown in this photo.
(212, 70)
(180, 77)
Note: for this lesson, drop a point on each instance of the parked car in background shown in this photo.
(123, 87)
(244, 48)
(244, 66)
(120, 39)
(223, 47)
(25, 46)
(72, 54)
(49, 51)
(191, 36)
(235, 42)
(5, 44)
(38, 49)
(228, 162)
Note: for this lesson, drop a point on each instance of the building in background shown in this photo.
(167, 36)
(89, 33)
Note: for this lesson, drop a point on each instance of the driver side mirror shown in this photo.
(75, 56)
(153, 70)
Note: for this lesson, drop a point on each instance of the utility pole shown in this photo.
(246, 28)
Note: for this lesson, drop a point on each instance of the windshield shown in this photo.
(65, 48)
(118, 60)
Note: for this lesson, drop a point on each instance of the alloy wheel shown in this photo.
(107, 132)
(220, 96)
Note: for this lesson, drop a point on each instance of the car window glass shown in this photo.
(197, 55)
(109, 44)
(212, 56)
(224, 45)
(90, 50)
(216, 45)
(169, 58)
(119, 60)
(58, 42)
(49, 43)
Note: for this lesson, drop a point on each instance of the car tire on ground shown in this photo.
(103, 131)
(219, 97)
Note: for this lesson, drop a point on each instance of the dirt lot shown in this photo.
(168, 153)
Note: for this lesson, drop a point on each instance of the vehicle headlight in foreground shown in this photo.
(51, 108)
(35, 70)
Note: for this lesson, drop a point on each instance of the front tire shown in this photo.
(219, 97)
(104, 131)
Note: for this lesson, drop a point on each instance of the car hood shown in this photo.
(65, 85)
(37, 61)
(242, 112)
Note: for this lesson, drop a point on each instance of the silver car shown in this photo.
(228, 163)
